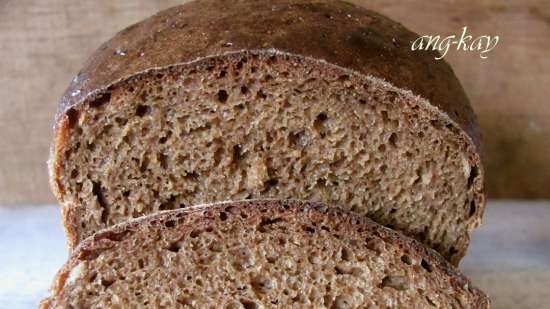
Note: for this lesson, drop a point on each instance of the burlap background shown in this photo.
(43, 44)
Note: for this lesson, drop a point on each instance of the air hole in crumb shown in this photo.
(435, 123)
(240, 64)
(393, 139)
(271, 60)
(142, 110)
(346, 254)
(74, 173)
(170, 223)
(239, 107)
(222, 96)
(473, 208)
(427, 266)
(300, 139)
(222, 74)
(72, 117)
(106, 283)
(93, 276)
(244, 89)
(96, 190)
(382, 147)
(101, 100)
(320, 124)
(385, 118)
(163, 160)
(248, 304)
(406, 259)
(453, 251)
(308, 229)
(121, 121)
(322, 117)
(266, 222)
(343, 77)
(193, 176)
(174, 247)
(383, 168)
(223, 216)
(237, 153)
(270, 183)
(144, 164)
(186, 301)
(165, 206)
(261, 95)
(431, 302)
(473, 174)
(163, 139)
(195, 233)
(262, 285)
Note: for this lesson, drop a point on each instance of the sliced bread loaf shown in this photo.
(258, 254)
(318, 100)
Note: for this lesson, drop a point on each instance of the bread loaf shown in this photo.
(317, 100)
(258, 254)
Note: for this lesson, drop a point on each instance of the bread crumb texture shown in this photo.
(251, 125)
(259, 254)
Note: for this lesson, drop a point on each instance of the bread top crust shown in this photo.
(335, 31)
(308, 212)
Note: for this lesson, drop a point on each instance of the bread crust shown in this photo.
(314, 212)
(337, 32)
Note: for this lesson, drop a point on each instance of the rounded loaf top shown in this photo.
(337, 32)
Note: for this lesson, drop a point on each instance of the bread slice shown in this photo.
(258, 254)
(317, 100)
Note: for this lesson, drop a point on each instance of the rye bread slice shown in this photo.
(258, 254)
(317, 100)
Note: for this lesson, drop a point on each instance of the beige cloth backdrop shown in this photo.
(44, 43)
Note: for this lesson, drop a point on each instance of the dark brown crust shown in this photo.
(352, 223)
(340, 33)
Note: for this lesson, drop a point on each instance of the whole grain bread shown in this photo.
(318, 100)
(258, 254)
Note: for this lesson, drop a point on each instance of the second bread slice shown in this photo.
(258, 254)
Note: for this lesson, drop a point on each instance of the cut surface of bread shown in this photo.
(151, 126)
(258, 254)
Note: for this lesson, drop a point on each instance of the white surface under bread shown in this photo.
(509, 257)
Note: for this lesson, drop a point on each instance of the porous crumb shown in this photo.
(262, 260)
(240, 127)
